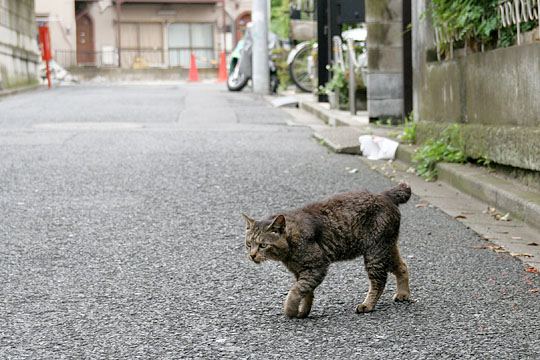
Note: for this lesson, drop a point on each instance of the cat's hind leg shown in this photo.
(376, 269)
(400, 270)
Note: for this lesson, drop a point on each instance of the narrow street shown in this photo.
(121, 237)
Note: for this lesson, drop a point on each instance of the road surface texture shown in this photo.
(121, 238)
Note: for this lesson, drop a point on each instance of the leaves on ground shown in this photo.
(457, 217)
(493, 247)
(505, 217)
(532, 270)
(532, 244)
(521, 254)
(497, 215)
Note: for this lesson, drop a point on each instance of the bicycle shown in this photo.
(302, 59)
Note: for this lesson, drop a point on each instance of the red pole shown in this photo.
(45, 42)
(48, 73)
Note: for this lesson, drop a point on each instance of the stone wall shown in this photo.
(19, 53)
(385, 58)
(493, 96)
(498, 87)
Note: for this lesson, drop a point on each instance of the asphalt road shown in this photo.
(121, 238)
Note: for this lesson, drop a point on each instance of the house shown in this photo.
(152, 34)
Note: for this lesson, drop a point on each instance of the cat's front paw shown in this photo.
(364, 308)
(402, 297)
(291, 307)
(290, 311)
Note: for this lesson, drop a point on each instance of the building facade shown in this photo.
(142, 34)
(19, 52)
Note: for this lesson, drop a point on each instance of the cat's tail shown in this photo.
(399, 194)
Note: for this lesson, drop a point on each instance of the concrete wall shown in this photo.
(423, 38)
(385, 58)
(19, 53)
(493, 95)
(498, 87)
(104, 26)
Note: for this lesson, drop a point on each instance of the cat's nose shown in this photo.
(253, 256)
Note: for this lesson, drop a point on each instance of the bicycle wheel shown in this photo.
(301, 67)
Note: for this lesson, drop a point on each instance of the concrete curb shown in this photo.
(505, 195)
(9, 92)
(334, 117)
(494, 191)
(342, 140)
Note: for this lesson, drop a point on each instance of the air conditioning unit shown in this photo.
(109, 57)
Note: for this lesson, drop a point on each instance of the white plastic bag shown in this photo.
(377, 147)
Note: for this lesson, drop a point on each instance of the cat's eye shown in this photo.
(262, 246)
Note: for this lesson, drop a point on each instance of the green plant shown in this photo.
(484, 161)
(469, 23)
(279, 18)
(338, 84)
(280, 59)
(508, 34)
(448, 147)
(409, 129)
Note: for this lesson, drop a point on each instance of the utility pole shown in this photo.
(261, 71)
(118, 31)
(224, 26)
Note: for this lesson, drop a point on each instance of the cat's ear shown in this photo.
(278, 225)
(249, 221)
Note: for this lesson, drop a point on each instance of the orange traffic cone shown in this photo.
(222, 68)
(193, 72)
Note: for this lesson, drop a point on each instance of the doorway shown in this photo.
(85, 41)
(241, 22)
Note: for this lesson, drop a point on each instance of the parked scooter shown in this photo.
(240, 66)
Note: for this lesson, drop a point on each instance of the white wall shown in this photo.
(104, 26)
(62, 27)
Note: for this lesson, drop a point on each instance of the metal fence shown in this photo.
(206, 58)
(511, 13)
(516, 12)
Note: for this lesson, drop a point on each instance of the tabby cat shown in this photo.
(343, 227)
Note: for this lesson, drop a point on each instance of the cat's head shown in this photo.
(266, 240)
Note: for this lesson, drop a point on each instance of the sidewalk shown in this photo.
(470, 194)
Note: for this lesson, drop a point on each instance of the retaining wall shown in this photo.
(19, 53)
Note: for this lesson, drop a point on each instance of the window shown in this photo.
(187, 38)
(142, 42)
